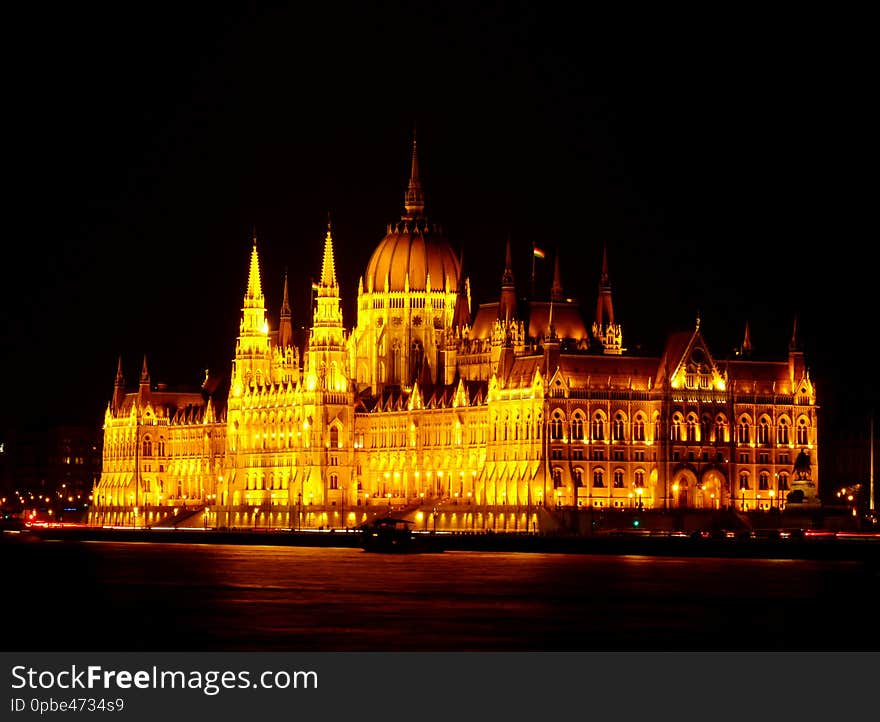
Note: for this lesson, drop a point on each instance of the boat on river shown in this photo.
(390, 535)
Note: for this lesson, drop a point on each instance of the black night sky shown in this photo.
(718, 157)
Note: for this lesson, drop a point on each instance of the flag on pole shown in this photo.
(539, 252)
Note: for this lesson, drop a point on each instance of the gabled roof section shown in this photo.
(688, 363)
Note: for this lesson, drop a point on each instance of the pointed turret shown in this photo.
(606, 331)
(507, 306)
(556, 290)
(285, 326)
(414, 200)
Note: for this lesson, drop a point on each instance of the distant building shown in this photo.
(51, 468)
(513, 405)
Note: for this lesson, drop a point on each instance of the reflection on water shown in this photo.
(128, 596)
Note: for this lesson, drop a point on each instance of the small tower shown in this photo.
(327, 354)
(252, 352)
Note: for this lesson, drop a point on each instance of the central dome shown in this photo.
(415, 248)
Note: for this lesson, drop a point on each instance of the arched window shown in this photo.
(764, 431)
(395, 363)
(691, 427)
(556, 426)
(782, 431)
(578, 477)
(147, 446)
(802, 433)
(719, 430)
(516, 428)
(161, 446)
(677, 422)
(657, 427)
(598, 478)
(416, 360)
(334, 437)
(639, 479)
(334, 481)
(705, 428)
(557, 477)
(618, 478)
(743, 431)
(577, 428)
(743, 480)
(639, 428)
(618, 431)
(597, 427)
(527, 429)
(783, 481)
(764, 481)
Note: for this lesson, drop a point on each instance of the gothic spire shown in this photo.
(604, 305)
(605, 329)
(795, 343)
(746, 347)
(120, 379)
(507, 305)
(328, 268)
(254, 296)
(414, 200)
(507, 277)
(461, 314)
(145, 373)
(285, 327)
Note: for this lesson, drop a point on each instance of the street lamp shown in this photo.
(639, 492)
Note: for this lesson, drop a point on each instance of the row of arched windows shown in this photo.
(764, 483)
(682, 428)
(618, 478)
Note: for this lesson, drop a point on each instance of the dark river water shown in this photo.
(100, 596)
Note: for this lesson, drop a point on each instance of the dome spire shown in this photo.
(414, 200)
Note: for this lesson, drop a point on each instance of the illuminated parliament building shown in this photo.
(432, 406)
